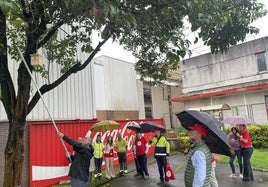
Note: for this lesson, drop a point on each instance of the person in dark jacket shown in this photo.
(161, 152)
(79, 169)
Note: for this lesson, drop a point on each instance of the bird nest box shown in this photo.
(36, 60)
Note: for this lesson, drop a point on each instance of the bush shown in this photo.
(259, 136)
(183, 141)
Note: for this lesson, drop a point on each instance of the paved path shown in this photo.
(178, 164)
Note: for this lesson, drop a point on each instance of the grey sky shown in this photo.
(116, 51)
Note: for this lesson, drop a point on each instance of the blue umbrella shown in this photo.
(216, 139)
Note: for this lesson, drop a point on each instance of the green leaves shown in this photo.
(6, 6)
(225, 23)
(152, 30)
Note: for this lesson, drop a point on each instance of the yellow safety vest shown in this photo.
(98, 149)
(162, 146)
(121, 145)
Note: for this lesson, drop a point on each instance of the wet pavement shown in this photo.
(178, 162)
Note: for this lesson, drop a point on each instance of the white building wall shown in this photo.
(237, 66)
(141, 99)
(118, 87)
(160, 101)
(73, 99)
(251, 105)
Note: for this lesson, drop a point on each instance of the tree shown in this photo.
(152, 29)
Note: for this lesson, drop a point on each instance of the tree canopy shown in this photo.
(153, 30)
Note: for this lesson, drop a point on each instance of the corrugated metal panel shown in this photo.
(70, 100)
(73, 99)
(99, 86)
(119, 84)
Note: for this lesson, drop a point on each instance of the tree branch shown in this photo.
(50, 34)
(74, 69)
(8, 96)
(24, 12)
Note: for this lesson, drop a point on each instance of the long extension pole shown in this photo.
(46, 107)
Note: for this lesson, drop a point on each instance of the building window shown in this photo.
(148, 112)
(261, 62)
(147, 102)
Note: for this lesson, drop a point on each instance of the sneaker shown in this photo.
(160, 182)
(146, 176)
(232, 175)
(240, 176)
(112, 176)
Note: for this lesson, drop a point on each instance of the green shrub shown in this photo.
(183, 141)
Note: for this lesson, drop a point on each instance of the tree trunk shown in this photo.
(14, 154)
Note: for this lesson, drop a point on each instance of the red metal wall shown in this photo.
(48, 163)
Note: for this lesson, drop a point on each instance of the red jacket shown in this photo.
(246, 135)
(140, 145)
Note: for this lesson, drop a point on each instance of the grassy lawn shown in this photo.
(258, 160)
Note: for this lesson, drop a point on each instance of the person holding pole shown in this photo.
(79, 169)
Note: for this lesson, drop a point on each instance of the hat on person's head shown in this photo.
(199, 128)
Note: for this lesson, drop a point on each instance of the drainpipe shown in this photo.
(170, 107)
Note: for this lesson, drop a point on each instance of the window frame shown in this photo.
(260, 70)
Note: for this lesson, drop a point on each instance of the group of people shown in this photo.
(200, 168)
(88, 157)
(107, 152)
(241, 147)
(87, 153)
(161, 152)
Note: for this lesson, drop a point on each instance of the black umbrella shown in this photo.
(216, 139)
(134, 126)
(151, 127)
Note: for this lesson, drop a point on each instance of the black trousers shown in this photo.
(98, 163)
(142, 160)
(246, 154)
(162, 164)
(122, 158)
